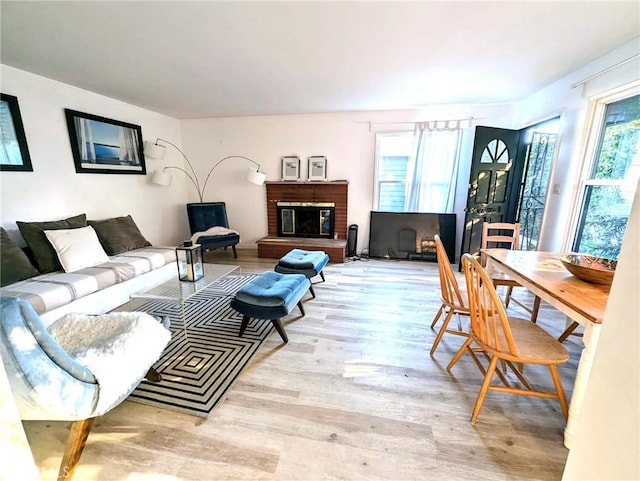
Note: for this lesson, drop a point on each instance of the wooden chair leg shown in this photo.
(279, 327)
(322, 276)
(559, 390)
(438, 314)
(459, 354)
(301, 308)
(313, 294)
(245, 323)
(153, 376)
(73, 449)
(442, 330)
(568, 331)
(535, 309)
(507, 298)
(484, 389)
(235, 252)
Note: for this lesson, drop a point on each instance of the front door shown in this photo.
(494, 183)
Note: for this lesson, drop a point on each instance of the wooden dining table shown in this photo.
(543, 274)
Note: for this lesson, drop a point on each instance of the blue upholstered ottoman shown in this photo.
(308, 263)
(271, 295)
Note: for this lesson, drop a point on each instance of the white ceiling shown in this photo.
(213, 59)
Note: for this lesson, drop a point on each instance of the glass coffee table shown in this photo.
(181, 291)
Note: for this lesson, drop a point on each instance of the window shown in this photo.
(417, 171)
(608, 191)
(393, 153)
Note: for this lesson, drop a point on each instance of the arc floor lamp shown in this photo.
(157, 151)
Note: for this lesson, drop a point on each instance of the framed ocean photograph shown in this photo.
(105, 146)
(14, 152)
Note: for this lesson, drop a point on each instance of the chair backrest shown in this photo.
(489, 322)
(448, 282)
(204, 215)
(46, 382)
(499, 234)
(507, 234)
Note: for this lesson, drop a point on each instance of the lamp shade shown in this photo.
(256, 177)
(153, 150)
(161, 178)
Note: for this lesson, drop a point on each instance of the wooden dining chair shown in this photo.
(507, 235)
(511, 340)
(454, 301)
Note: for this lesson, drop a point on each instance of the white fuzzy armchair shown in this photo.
(81, 368)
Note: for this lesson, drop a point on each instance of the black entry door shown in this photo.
(494, 183)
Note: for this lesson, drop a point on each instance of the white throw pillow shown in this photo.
(77, 248)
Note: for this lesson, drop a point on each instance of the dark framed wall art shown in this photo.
(105, 146)
(14, 152)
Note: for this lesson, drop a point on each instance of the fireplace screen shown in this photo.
(306, 219)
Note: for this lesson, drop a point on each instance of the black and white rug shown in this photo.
(201, 363)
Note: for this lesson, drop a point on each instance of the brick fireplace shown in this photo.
(326, 196)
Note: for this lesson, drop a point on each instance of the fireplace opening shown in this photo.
(306, 219)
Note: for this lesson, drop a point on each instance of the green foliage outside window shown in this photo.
(606, 206)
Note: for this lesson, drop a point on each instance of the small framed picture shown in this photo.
(14, 152)
(290, 167)
(317, 168)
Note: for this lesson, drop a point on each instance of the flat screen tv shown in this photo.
(409, 235)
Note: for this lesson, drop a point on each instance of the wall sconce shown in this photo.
(157, 151)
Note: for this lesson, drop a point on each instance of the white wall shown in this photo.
(572, 104)
(607, 438)
(346, 139)
(54, 190)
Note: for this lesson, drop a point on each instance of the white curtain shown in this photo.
(129, 146)
(85, 140)
(433, 170)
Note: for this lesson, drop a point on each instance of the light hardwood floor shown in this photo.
(354, 395)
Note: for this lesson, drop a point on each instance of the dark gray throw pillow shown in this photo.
(44, 255)
(15, 263)
(118, 235)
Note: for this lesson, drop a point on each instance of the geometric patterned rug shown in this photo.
(199, 367)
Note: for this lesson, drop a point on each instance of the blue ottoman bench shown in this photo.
(271, 296)
(307, 263)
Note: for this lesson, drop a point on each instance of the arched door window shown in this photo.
(495, 151)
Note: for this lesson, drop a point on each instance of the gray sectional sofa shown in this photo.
(84, 266)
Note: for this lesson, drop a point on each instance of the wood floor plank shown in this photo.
(354, 395)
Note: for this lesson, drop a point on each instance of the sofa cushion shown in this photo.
(77, 248)
(44, 256)
(15, 266)
(299, 259)
(119, 234)
(50, 291)
(271, 289)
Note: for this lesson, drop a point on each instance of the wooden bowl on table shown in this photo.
(597, 270)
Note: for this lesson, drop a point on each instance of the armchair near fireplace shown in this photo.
(210, 227)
